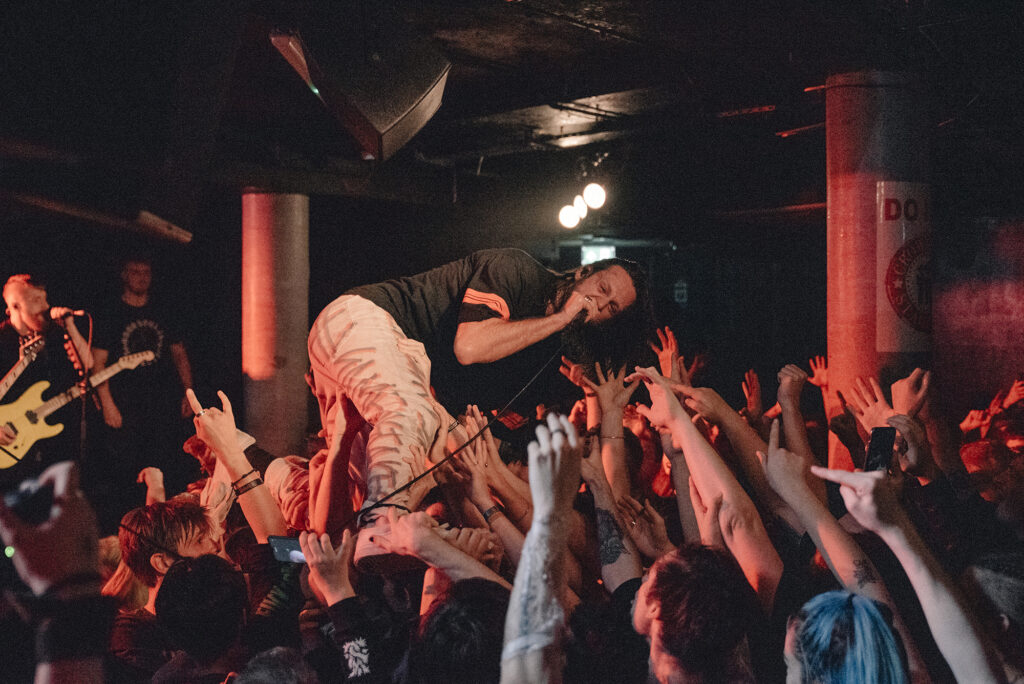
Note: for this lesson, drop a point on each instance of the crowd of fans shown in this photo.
(676, 539)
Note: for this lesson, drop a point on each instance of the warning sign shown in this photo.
(903, 300)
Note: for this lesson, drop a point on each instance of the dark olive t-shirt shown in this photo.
(492, 283)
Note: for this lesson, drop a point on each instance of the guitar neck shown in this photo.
(75, 391)
(13, 375)
(28, 356)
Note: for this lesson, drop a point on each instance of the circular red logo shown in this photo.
(908, 283)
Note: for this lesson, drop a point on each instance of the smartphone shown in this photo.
(286, 549)
(880, 449)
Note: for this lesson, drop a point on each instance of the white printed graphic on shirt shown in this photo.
(357, 656)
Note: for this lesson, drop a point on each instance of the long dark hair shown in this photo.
(619, 340)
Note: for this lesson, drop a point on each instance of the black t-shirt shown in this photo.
(492, 283)
(138, 645)
(125, 329)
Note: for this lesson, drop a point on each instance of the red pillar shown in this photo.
(879, 287)
(275, 318)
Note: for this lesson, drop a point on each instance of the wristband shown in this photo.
(76, 630)
(612, 437)
(253, 484)
(235, 483)
(490, 512)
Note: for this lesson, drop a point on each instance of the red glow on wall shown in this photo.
(259, 307)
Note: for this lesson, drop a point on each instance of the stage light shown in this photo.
(568, 217)
(594, 196)
(580, 206)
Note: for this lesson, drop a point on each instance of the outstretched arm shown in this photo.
(618, 555)
(216, 427)
(748, 540)
(871, 501)
(495, 338)
(535, 621)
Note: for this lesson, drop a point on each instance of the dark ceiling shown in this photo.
(109, 107)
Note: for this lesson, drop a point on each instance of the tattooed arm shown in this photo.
(535, 621)
(871, 500)
(620, 560)
(787, 473)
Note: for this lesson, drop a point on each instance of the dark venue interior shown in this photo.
(136, 128)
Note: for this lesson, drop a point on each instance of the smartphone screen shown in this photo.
(880, 448)
(286, 549)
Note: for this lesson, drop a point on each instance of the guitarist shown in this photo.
(64, 361)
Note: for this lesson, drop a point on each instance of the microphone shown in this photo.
(67, 312)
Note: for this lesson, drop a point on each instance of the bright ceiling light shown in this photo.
(594, 196)
(568, 216)
(580, 206)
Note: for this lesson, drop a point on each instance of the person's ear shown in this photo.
(161, 562)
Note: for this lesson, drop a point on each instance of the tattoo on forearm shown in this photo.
(609, 536)
(863, 572)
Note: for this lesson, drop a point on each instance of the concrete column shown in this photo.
(879, 229)
(275, 318)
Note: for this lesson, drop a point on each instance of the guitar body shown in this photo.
(20, 417)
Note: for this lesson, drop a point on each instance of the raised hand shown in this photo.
(1015, 394)
(667, 353)
(215, 426)
(574, 372)
(687, 374)
(869, 497)
(645, 527)
(707, 403)
(707, 517)
(996, 405)
(664, 406)
(844, 426)
(975, 419)
(752, 391)
(471, 463)
(791, 384)
(611, 393)
(910, 394)
(917, 459)
(64, 546)
(329, 568)
(819, 372)
(869, 405)
(152, 477)
(554, 467)
(786, 472)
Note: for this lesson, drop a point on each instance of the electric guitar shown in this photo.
(29, 351)
(26, 416)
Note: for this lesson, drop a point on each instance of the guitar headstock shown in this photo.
(135, 360)
(31, 348)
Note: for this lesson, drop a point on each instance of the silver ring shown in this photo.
(200, 412)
